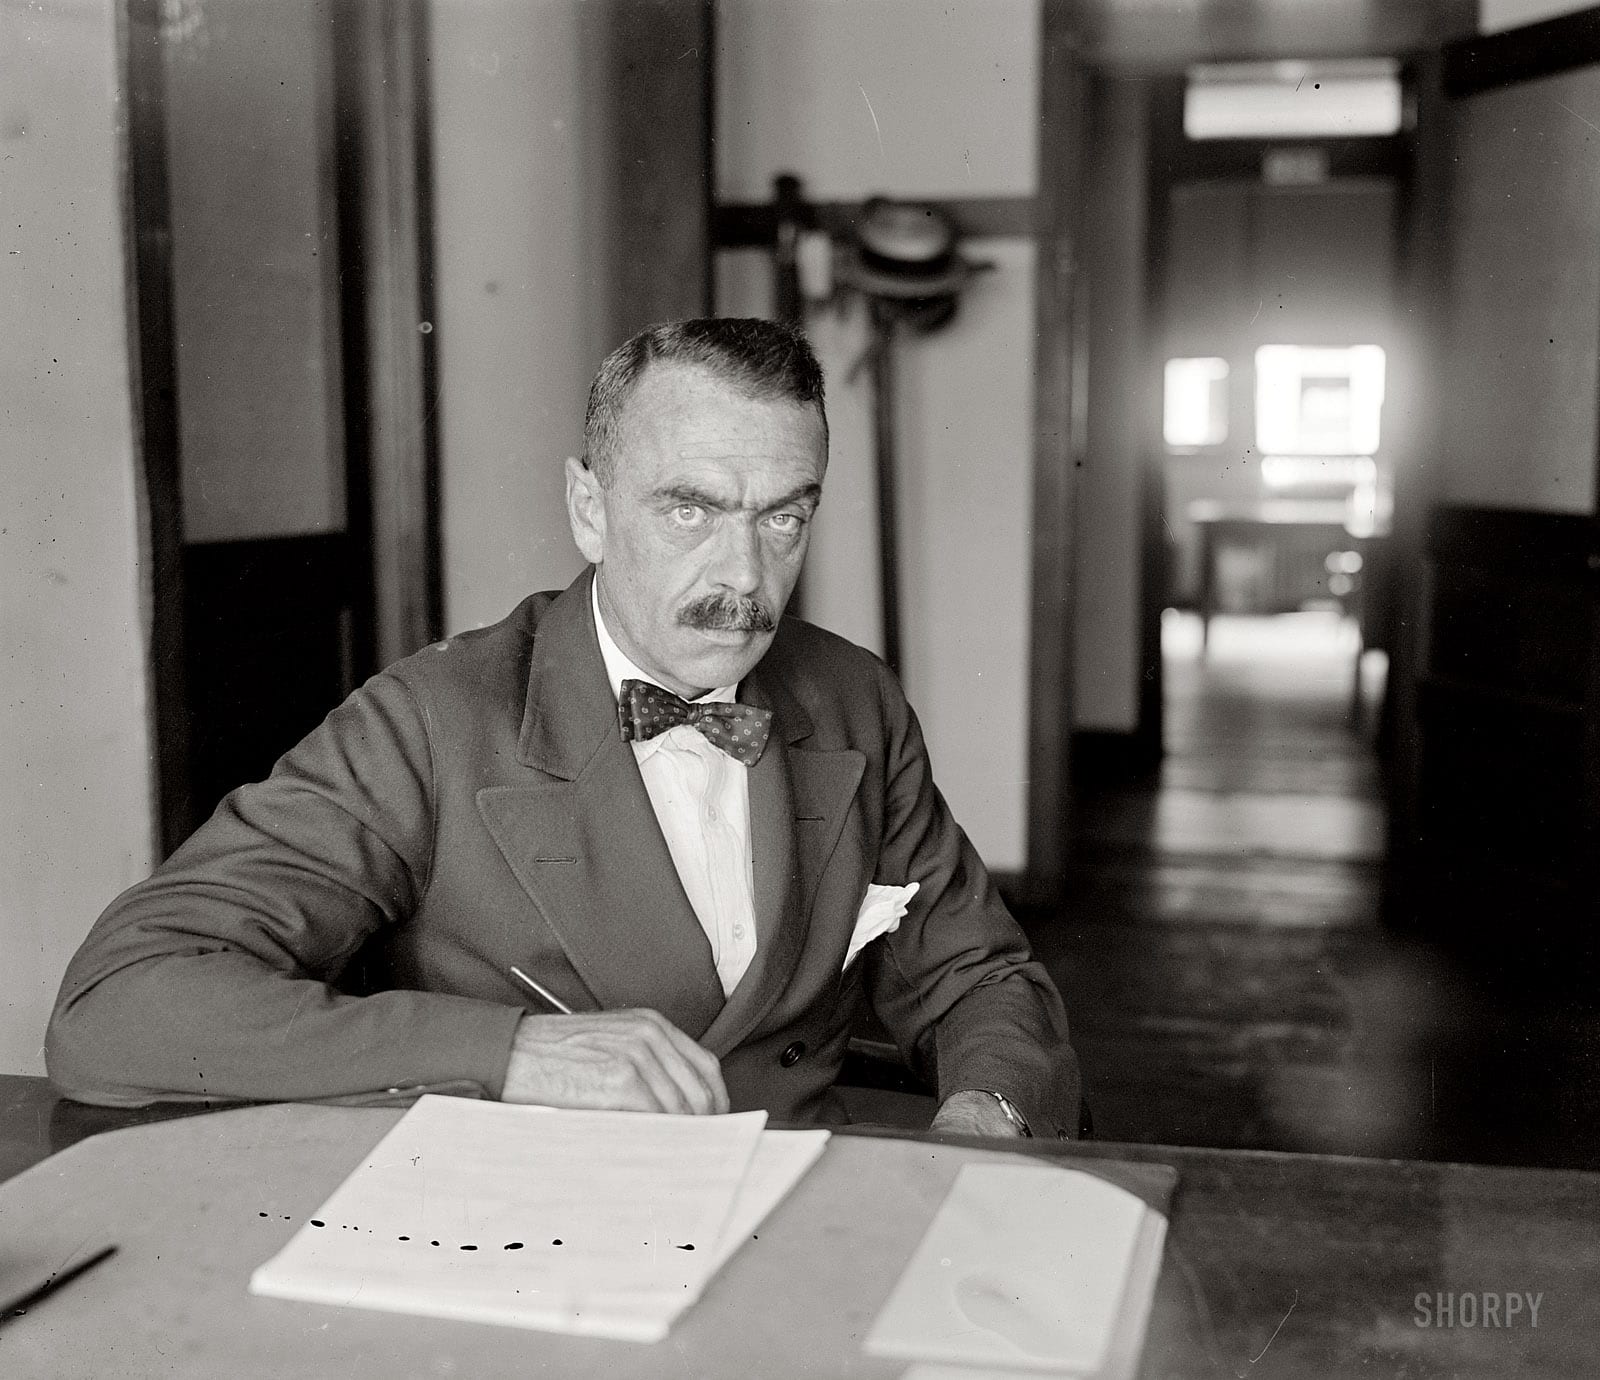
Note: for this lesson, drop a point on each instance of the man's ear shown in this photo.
(586, 510)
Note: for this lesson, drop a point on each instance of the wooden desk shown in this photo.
(1284, 530)
(1296, 537)
(1276, 1265)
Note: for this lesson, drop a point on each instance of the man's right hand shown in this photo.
(632, 1061)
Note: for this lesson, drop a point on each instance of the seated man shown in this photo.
(677, 894)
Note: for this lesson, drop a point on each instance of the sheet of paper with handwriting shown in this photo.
(603, 1224)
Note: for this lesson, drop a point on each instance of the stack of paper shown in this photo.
(608, 1224)
(1026, 1268)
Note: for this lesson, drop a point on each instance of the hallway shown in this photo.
(1222, 953)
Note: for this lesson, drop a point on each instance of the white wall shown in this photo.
(966, 428)
(1524, 293)
(954, 91)
(519, 212)
(898, 97)
(75, 773)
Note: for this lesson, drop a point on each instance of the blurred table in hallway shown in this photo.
(1276, 1264)
(1295, 543)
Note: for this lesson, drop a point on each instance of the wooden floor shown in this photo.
(1225, 959)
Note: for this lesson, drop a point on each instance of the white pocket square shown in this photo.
(880, 913)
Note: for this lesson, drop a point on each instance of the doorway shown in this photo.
(1274, 250)
(288, 457)
(1222, 948)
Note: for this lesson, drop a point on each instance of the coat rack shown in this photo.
(901, 260)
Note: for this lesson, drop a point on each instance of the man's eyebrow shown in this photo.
(685, 492)
(811, 492)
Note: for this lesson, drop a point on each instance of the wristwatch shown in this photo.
(1012, 1115)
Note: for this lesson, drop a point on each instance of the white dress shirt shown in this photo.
(701, 797)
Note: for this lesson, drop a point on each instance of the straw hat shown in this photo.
(906, 251)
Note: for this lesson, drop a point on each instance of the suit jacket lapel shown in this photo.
(583, 840)
(798, 803)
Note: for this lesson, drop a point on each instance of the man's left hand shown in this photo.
(973, 1113)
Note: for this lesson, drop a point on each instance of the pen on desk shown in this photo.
(541, 991)
(11, 1307)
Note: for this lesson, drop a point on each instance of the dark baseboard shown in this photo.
(1104, 757)
(268, 642)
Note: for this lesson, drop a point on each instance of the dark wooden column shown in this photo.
(1423, 236)
(884, 330)
(1057, 440)
(385, 238)
(659, 55)
(152, 354)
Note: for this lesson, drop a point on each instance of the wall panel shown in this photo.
(76, 816)
(1523, 297)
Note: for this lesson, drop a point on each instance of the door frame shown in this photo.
(1059, 428)
(152, 363)
(380, 179)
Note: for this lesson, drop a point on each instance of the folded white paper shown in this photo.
(600, 1223)
(881, 912)
(1127, 1343)
(781, 1159)
(1025, 1268)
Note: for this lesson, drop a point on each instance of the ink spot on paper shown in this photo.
(513, 1245)
(405, 1238)
(469, 1248)
(689, 1247)
(316, 1223)
(556, 1242)
(261, 1214)
(433, 1243)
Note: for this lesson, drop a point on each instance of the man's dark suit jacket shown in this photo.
(475, 807)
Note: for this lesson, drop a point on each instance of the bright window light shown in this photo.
(1293, 100)
(1195, 412)
(1318, 471)
(1312, 400)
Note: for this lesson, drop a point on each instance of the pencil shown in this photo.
(541, 991)
(11, 1307)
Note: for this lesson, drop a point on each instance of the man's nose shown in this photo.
(738, 565)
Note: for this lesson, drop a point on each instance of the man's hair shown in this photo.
(765, 360)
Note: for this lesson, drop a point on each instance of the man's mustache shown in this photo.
(727, 613)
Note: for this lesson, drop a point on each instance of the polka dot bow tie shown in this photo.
(740, 730)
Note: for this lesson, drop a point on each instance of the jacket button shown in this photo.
(792, 1054)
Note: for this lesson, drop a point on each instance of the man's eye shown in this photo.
(688, 514)
(786, 522)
